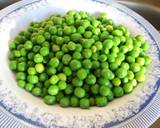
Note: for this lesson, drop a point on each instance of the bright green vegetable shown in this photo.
(78, 59)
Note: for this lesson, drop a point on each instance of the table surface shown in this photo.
(4, 3)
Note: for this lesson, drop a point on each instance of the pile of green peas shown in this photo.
(78, 59)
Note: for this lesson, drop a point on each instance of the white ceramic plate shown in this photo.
(20, 109)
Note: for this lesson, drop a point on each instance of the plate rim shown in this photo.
(153, 103)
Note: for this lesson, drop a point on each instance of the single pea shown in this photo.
(81, 30)
(59, 54)
(134, 53)
(55, 47)
(95, 64)
(98, 45)
(74, 101)
(20, 76)
(22, 66)
(113, 66)
(91, 79)
(53, 30)
(49, 100)
(81, 74)
(75, 37)
(62, 76)
(33, 79)
(68, 90)
(44, 51)
(118, 91)
(21, 83)
(47, 35)
(87, 34)
(71, 46)
(76, 55)
(75, 65)
(84, 103)
(116, 81)
(87, 53)
(13, 65)
(39, 68)
(77, 82)
(59, 40)
(111, 58)
(121, 72)
(139, 76)
(147, 60)
(51, 70)
(107, 44)
(125, 65)
(53, 62)
(130, 75)
(28, 45)
(67, 71)
(79, 92)
(117, 32)
(128, 87)
(62, 85)
(43, 77)
(124, 49)
(101, 101)
(59, 96)
(95, 89)
(66, 39)
(107, 74)
(66, 59)
(130, 59)
(145, 46)
(133, 82)
(86, 43)
(36, 48)
(110, 96)
(140, 61)
(135, 67)
(31, 71)
(53, 90)
(54, 79)
(38, 58)
(104, 90)
(23, 52)
(102, 81)
(29, 87)
(64, 102)
(36, 91)
(40, 39)
(91, 101)
(102, 57)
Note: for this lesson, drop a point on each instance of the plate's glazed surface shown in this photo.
(20, 109)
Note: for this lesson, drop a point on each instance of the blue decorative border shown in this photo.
(111, 124)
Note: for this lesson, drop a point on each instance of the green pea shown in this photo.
(28, 45)
(104, 90)
(39, 68)
(118, 91)
(66, 59)
(40, 39)
(49, 100)
(21, 83)
(116, 81)
(74, 101)
(95, 89)
(53, 90)
(13, 65)
(38, 58)
(65, 102)
(81, 74)
(101, 101)
(44, 51)
(75, 65)
(84, 103)
(68, 90)
(91, 79)
(79, 92)
(29, 87)
(77, 82)
(135, 67)
(31, 71)
(107, 74)
(87, 53)
(54, 62)
(121, 72)
(54, 79)
(128, 87)
(36, 91)
(22, 66)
